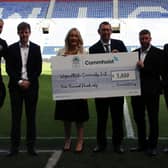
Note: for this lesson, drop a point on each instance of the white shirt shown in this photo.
(144, 53)
(24, 50)
(108, 44)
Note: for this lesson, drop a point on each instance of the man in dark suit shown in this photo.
(165, 89)
(3, 52)
(151, 66)
(24, 65)
(115, 104)
(165, 48)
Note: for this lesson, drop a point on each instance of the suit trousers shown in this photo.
(18, 99)
(115, 106)
(150, 103)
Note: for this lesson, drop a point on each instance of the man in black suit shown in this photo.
(3, 53)
(115, 104)
(165, 48)
(151, 66)
(24, 65)
(165, 89)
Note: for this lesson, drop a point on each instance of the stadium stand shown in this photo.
(84, 9)
(23, 9)
(70, 9)
(87, 8)
(143, 8)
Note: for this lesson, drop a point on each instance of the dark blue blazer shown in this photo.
(3, 52)
(14, 65)
(154, 69)
(115, 44)
(3, 48)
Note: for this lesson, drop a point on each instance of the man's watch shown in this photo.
(20, 81)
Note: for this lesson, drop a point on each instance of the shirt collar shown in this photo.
(103, 43)
(24, 46)
(146, 51)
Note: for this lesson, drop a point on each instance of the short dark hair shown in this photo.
(144, 31)
(104, 23)
(23, 25)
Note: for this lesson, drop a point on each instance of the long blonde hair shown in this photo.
(80, 41)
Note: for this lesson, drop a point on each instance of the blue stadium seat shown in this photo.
(143, 9)
(95, 9)
(24, 9)
(85, 9)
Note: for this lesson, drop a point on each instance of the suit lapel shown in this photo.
(29, 53)
(100, 47)
(18, 54)
(148, 55)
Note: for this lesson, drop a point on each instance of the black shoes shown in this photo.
(152, 152)
(32, 152)
(99, 149)
(12, 152)
(165, 150)
(137, 149)
(148, 151)
(118, 149)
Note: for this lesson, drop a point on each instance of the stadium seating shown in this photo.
(143, 8)
(89, 9)
(23, 9)
(84, 9)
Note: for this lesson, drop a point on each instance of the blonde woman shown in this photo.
(72, 110)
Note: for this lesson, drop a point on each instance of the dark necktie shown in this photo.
(107, 48)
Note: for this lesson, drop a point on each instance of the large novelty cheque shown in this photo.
(95, 75)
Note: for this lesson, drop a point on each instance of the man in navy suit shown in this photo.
(165, 89)
(23, 65)
(165, 48)
(114, 104)
(151, 66)
(3, 53)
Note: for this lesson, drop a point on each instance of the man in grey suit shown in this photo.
(114, 104)
(151, 66)
(23, 65)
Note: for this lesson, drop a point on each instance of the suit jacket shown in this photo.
(3, 52)
(3, 48)
(154, 68)
(14, 65)
(166, 56)
(115, 44)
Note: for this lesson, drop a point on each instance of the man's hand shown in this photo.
(140, 64)
(25, 84)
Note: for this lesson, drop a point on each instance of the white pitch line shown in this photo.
(87, 138)
(52, 161)
(128, 123)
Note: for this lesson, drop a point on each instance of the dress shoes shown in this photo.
(118, 149)
(99, 149)
(32, 152)
(152, 152)
(165, 150)
(12, 152)
(137, 149)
